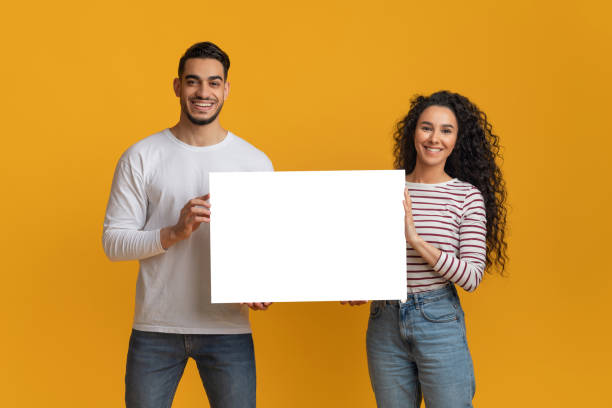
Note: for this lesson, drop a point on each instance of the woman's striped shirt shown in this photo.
(450, 216)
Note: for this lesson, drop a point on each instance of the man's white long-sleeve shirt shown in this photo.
(153, 180)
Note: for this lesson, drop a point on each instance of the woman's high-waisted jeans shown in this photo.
(418, 349)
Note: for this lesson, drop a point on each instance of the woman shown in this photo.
(454, 224)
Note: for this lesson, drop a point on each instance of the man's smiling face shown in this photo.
(202, 89)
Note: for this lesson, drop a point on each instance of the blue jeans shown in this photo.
(156, 361)
(418, 349)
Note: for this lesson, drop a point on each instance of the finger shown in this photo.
(205, 198)
(194, 220)
(257, 305)
(197, 201)
(199, 211)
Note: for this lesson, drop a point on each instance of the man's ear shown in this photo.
(226, 90)
(176, 84)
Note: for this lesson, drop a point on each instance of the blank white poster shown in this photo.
(307, 236)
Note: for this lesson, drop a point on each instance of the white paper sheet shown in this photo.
(307, 236)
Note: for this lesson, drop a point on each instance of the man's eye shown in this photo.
(214, 84)
(191, 82)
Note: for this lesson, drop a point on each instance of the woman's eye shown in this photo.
(447, 131)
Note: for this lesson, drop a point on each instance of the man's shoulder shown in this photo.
(145, 147)
(250, 152)
(244, 145)
(153, 141)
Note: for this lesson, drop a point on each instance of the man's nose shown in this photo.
(203, 91)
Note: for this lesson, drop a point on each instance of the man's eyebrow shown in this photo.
(191, 76)
(212, 78)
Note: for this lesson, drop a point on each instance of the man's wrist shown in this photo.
(167, 236)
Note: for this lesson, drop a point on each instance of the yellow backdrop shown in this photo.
(318, 86)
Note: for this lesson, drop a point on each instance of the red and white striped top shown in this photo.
(450, 216)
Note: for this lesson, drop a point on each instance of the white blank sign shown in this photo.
(307, 236)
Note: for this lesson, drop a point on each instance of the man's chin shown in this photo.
(204, 121)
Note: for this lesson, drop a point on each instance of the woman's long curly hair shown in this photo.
(473, 160)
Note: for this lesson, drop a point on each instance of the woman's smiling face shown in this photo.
(435, 135)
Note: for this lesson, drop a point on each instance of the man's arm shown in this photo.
(123, 237)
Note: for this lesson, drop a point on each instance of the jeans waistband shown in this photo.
(425, 297)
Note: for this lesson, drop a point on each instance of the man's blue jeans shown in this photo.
(418, 349)
(156, 362)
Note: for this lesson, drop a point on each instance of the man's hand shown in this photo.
(354, 302)
(258, 306)
(195, 212)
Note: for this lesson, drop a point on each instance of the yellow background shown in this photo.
(318, 86)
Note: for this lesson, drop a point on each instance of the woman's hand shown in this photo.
(258, 305)
(353, 302)
(409, 228)
(427, 251)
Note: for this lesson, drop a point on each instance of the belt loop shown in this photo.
(454, 289)
(416, 301)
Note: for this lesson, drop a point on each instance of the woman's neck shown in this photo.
(428, 175)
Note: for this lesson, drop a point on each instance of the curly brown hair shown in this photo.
(474, 160)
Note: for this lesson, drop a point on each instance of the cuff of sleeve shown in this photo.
(160, 248)
(441, 262)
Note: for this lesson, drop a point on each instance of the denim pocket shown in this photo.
(442, 310)
(376, 309)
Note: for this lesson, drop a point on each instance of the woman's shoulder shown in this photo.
(469, 191)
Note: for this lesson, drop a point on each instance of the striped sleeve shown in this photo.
(467, 270)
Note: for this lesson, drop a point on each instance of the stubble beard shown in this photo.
(201, 122)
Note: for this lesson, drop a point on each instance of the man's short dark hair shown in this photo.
(205, 50)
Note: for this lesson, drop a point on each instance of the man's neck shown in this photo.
(199, 135)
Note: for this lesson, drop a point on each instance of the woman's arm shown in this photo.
(467, 270)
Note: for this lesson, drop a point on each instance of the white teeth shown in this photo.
(204, 105)
(431, 149)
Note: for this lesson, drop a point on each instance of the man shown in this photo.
(159, 180)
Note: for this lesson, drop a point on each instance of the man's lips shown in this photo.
(202, 106)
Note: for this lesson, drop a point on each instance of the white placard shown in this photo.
(307, 236)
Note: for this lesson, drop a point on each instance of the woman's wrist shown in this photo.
(415, 241)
